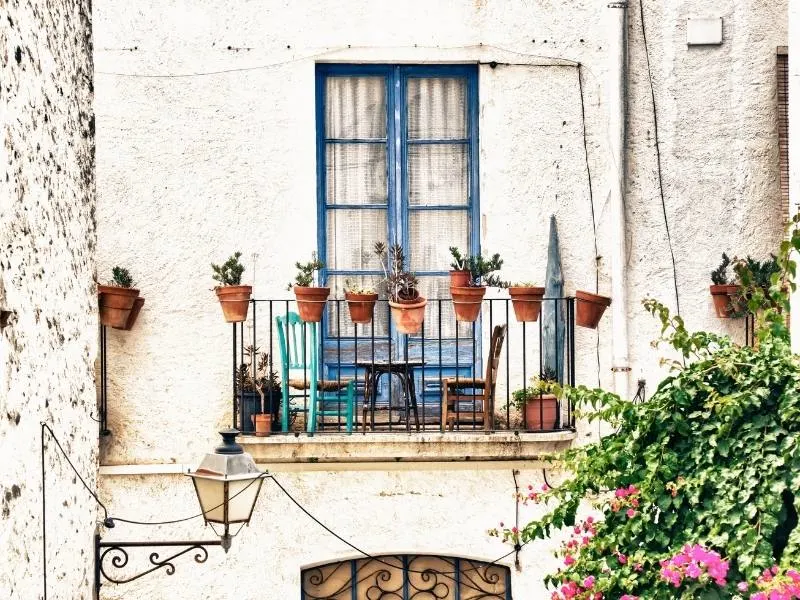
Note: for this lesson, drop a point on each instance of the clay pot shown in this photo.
(116, 304)
(361, 306)
(311, 302)
(408, 314)
(459, 278)
(137, 307)
(234, 300)
(589, 308)
(725, 300)
(467, 302)
(263, 424)
(527, 302)
(541, 414)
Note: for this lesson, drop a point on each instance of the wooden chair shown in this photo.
(300, 366)
(452, 389)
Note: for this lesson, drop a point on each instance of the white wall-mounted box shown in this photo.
(704, 31)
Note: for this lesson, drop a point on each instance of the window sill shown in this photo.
(406, 447)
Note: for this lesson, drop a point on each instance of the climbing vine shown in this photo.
(697, 493)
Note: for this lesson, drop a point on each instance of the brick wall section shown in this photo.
(783, 126)
(47, 240)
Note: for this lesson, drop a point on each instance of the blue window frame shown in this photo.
(397, 161)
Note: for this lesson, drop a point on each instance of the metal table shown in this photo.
(404, 370)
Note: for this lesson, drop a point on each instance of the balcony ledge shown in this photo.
(406, 447)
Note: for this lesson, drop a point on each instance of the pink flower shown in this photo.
(622, 559)
(588, 583)
(631, 513)
(568, 560)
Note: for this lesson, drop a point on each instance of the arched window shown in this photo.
(407, 577)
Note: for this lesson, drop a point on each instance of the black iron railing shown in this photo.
(444, 350)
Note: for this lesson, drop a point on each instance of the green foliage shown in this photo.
(121, 277)
(305, 272)
(229, 272)
(479, 267)
(714, 457)
(719, 276)
(544, 384)
(399, 283)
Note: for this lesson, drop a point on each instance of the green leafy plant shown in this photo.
(121, 277)
(254, 375)
(305, 272)
(719, 276)
(697, 492)
(229, 272)
(479, 267)
(399, 284)
(544, 384)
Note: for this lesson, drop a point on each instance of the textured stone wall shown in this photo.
(47, 242)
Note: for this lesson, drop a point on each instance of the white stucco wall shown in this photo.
(206, 145)
(47, 241)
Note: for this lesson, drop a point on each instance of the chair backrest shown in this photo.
(292, 338)
(492, 365)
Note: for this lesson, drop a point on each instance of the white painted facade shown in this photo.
(206, 145)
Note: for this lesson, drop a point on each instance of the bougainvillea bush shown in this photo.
(697, 493)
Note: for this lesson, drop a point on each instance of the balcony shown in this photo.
(408, 403)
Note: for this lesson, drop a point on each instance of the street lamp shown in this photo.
(227, 483)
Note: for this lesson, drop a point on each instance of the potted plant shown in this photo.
(259, 392)
(234, 298)
(467, 298)
(537, 402)
(589, 308)
(310, 299)
(405, 301)
(723, 293)
(360, 301)
(119, 300)
(754, 279)
(526, 298)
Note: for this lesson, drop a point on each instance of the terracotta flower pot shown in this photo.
(263, 424)
(527, 302)
(541, 414)
(467, 302)
(311, 302)
(116, 304)
(137, 307)
(234, 300)
(725, 300)
(589, 308)
(408, 314)
(459, 278)
(361, 306)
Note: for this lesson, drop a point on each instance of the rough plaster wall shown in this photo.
(436, 511)
(47, 240)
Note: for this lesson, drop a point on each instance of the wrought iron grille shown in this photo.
(407, 577)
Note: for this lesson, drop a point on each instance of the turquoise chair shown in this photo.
(300, 366)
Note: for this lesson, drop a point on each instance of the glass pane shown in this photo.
(437, 291)
(351, 236)
(438, 174)
(355, 107)
(432, 233)
(342, 322)
(437, 108)
(356, 174)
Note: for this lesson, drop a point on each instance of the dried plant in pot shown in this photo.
(526, 298)
(538, 403)
(589, 308)
(311, 299)
(119, 301)
(468, 298)
(259, 390)
(405, 301)
(360, 301)
(234, 298)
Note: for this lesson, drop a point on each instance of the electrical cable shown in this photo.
(658, 159)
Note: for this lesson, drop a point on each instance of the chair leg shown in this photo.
(445, 400)
(285, 407)
(351, 405)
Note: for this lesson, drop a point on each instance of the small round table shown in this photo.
(404, 370)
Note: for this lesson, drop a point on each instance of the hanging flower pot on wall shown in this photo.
(726, 300)
(589, 308)
(527, 302)
(235, 301)
(408, 315)
(361, 306)
(467, 302)
(116, 304)
(311, 302)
